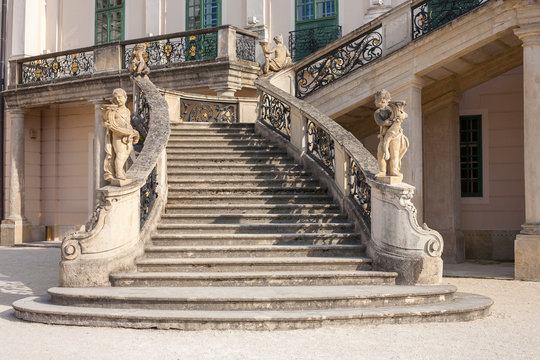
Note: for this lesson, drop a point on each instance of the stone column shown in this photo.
(99, 145)
(411, 164)
(527, 244)
(442, 188)
(15, 228)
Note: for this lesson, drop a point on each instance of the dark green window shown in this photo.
(470, 151)
(202, 14)
(109, 21)
(316, 26)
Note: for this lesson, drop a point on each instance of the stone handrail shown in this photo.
(211, 43)
(382, 213)
(115, 234)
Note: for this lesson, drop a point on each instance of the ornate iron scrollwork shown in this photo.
(307, 41)
(245, 47)
(140, 119)
(206, 111)
(177, 50)
(276, 114)
(360, 190)
(339, 62)
(58, 67)
(148, 196)
(432, 14)
(321, 146)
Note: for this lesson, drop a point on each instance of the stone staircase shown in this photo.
(249, 240)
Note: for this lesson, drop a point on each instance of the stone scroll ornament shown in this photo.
(282, 56)
(119, 138)
(393, 144)
(137, 64)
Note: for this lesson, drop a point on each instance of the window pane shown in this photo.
(470, 136)
(101, 28)
(210, 13)
(325, 9)
(116, 26)
(305, 12)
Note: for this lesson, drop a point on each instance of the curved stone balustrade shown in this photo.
(113, 237)
(382, 212)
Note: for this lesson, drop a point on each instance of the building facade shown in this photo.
(470, 100)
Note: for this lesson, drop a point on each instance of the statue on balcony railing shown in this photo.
(392, 142)
(119, 138)
(137, 65)
(282, 56)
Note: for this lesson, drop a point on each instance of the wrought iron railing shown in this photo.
(359, 189)
(275, 114)
(307, 41)
(177, 49)
(208, 111)
(148, 194)
(245, 47)
(57, 66)
(339, 62)
(321, 146)
(432, 14)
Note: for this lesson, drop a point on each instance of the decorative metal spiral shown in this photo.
(276, 115)
(321, 146)
(58, 67)
(360, 190)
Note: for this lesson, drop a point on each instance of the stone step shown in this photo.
(272, 278)
(212, 147)
(243, 208)
(202, 129)
(253, 264)
(228, 151)
(175, 238)
(299, 189)
(296, 182)
(174, 142)
(250, 200)
(177, 160)
(256, 228)
(218, 218)
(210, 125)
(210, 136)
(232, 167)
(464, 307)
(179, 174)
(153, 251)
(222, 155)
(251, 298)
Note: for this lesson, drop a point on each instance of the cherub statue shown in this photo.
(392, 142)
(137, 65)
(282, 56)
(119, 138)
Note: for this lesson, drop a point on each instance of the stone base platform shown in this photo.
(246, 308)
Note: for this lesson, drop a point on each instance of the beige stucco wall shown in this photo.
(65, 174)
(77, 23)
(500, 101)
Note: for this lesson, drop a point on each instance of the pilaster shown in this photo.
(527, 244)
(15, 229)
(442, 194)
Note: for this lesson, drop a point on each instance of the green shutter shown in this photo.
(202, 14)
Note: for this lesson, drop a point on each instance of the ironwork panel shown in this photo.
(339, 62)
(58, 67)
(148, 196)
(321, 146)
(360, 190)
(245, 47)
(207, 111)
(305, 42)
(432, 14)
(276, 115)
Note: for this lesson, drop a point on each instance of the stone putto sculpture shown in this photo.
(393, 144)
(282, 56)
(137, 65)
(119, 138)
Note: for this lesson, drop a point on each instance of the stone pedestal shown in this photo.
(527, 244)
(15, 229)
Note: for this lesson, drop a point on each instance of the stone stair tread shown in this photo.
(251, 247)
(256, 236)
(38, 309)
(215, 294)
(254, 226)
(250, 215)
(252, 274)
(251, 206)
(251, 260)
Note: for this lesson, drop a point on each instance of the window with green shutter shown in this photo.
(109, 21)
(470, 151)
(202, 14)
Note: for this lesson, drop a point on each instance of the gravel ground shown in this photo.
(511, 332)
